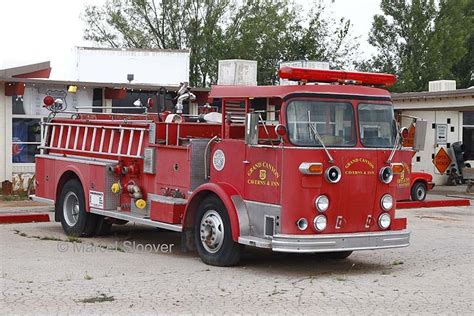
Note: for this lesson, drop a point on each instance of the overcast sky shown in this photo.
(34, 31)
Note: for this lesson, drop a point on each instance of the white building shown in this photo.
(450, 116)
(23, 88)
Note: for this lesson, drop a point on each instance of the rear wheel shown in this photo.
(72, 211)
(418, 191)
(213, 236)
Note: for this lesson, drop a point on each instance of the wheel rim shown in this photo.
(420, 192)
(71, 208)
(212, 231)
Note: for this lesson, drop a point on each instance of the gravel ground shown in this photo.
(42, 272)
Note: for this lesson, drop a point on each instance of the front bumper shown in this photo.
(340, 242)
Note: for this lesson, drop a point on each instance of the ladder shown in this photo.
(89, 140)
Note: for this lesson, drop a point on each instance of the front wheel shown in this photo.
(213, 236)
(72, 211)
(418, 191)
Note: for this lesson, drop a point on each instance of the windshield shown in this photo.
(377, 125)
(333, 121)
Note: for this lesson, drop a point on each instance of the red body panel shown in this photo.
(266, 173)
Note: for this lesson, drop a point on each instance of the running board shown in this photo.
(135, 218)
(255, 241)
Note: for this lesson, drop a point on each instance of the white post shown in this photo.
(5, 135)
(106, 103)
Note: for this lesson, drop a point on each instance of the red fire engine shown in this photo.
(305, 168)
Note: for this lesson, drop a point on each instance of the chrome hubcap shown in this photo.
(420, 192)
(212, 231)
(71, 208)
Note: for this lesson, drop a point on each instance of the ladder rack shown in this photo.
(117, 141)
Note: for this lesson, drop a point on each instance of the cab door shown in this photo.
(262, 173)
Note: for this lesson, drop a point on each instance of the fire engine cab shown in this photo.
(310, 171)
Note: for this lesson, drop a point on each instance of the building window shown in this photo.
(26, 137)
(26, 132)
(468, 135)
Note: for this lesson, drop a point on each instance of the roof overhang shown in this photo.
(86, 84)
(455, 100)
(38, 70)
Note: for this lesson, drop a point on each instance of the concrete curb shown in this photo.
(15, 218)
(433, 203)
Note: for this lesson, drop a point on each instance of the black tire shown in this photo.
(85, 224)
(227, 252)
(103, 227)
(418, 191)
(337, 255)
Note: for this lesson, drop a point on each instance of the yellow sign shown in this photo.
(265, 171)
(364, 161)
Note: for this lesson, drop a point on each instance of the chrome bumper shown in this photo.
(340, 242)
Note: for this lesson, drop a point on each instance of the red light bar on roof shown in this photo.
(329, 76)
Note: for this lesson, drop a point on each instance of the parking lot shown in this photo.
(142, 270)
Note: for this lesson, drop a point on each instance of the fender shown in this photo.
(226, 193)
(421, 176)
(75, 170)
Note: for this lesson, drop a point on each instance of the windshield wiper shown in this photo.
(395, 147)
(318, 137)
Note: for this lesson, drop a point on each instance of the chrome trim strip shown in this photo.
(136, 219)
(328, 148)
(242, 214)
(167, 199)
(41, 199)
(262, 204)
(92, 161)
(340, 242)
(255, 242)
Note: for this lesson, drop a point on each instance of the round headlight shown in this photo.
(386, 202)
(386, 175)
(333, 174)
(322, 203)
(302, 223)
(384, 220)
(320, 222)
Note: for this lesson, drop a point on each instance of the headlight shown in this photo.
(384, 220)
(386, 202)
(320, 222)
(386, 175)
(333, 174)
(322, 203)
(302, 223)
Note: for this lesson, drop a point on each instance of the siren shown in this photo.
(341, 76)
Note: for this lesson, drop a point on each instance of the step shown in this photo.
(136, 218)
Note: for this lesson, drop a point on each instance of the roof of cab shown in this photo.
(223, 92)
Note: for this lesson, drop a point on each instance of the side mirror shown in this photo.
(420, 135)
(251, 128)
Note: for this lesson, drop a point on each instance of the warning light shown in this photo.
(404, 132)
(341, 76)
(48, 100)
(280, 130)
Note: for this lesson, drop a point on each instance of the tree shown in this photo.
(421, 41)
(166, 24)
(263, 30)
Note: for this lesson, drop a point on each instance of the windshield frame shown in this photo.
(388, 105)
(349, 102)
